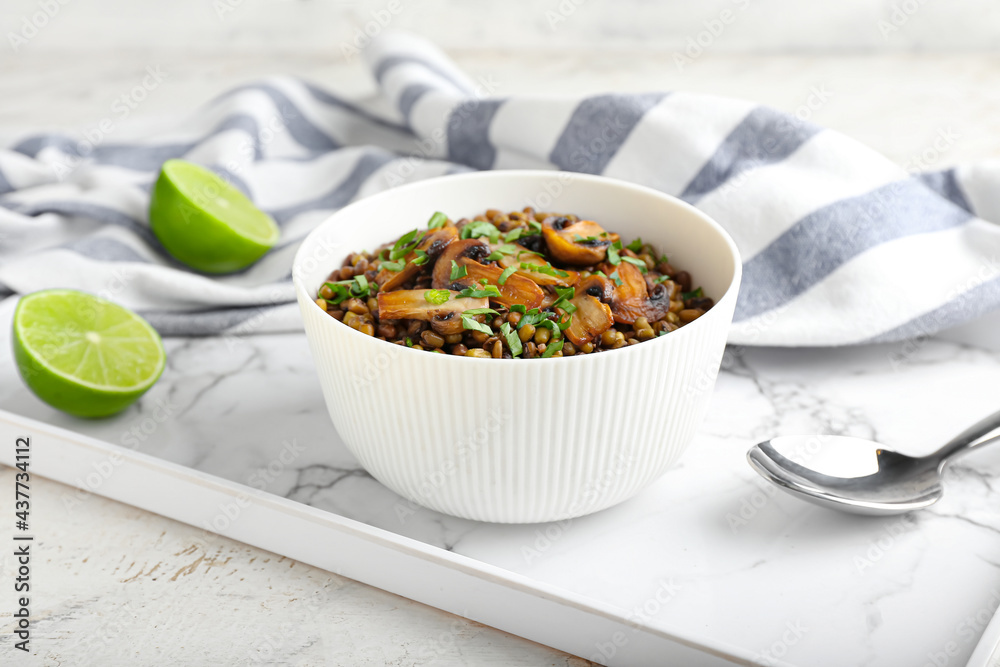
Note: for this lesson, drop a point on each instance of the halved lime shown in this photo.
(205, 222)
(84, 355)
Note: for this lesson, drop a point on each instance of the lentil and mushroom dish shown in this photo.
(520, 284)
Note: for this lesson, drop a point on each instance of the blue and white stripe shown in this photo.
(841, 246)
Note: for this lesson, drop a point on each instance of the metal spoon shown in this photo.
(868, 479)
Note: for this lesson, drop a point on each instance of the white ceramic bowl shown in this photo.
(520, 440)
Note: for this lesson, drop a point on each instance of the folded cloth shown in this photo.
(840, 245)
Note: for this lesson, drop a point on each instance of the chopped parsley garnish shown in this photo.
(494, 256)
(565, 294)
(662, 279)
(506, 274)
(613, 255)
(614, 276)
(480, 311)
(422, 258)
(552, 348)
(553, 326)
(637, 262)
(635, 246)
(471, 323)
(394, 266)
(405, 245)
(694, 294)
(345, 289)
(532, 229)
(519, 308)
(409, 342)
(437, 296)
(663, 260)
(546, 268)
(480, 293)
(457, 271)
(513, 341)
(584, 239)
(481, 228)
(437, 220)
(507, 248)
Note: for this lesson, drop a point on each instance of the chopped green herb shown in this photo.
(635, 246)
(662, 279)
(422, 258)
(519, 308)
(584, 239)
(637, 262)
(405, 245)
(552, 348)
(480, 311)
(513, 341)
(565, 322)
(469, 322)
(458, 271)
(613, 255)
(437, 220)
(614, 276)
(507, 248)
(394, 266)
(362, 285)
(663, 260)
(694, 294)
(506, 274)
(532, 229)
(494, 256)
(340, 290)
(553, 326)
(437, 296)
(546, 268)
(565, 294)
(487, 291)
(409, 342)
(481, 228)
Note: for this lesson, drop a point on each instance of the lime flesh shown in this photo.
(84, 355)
(206, 223)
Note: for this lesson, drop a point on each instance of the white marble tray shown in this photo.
(706, 567)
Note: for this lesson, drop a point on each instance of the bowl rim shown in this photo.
(730, 295)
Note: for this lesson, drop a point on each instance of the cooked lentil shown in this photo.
(549, 285)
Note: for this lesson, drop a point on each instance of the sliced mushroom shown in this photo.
(525, 256)
(596, 285)
(516, 289)
(432, 243)
(466, 249)
(631, 300)
(582, 243)
(465, 254)
(445, 318)
(591, 319)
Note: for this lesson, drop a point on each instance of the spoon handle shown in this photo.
(969, 438)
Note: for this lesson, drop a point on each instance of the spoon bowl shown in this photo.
(868, 478)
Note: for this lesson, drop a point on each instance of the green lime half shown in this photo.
(84, 355)
(205, 222)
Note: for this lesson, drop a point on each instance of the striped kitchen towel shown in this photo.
(841, 246)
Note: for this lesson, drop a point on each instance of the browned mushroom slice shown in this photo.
(546, 273)
(582, 243)
(466, 249)
(433, 244)
(411, 304)
(596, 285)
(515, 289)
(631, 299)
(591, 319)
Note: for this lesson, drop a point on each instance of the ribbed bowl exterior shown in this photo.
(516, 441)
